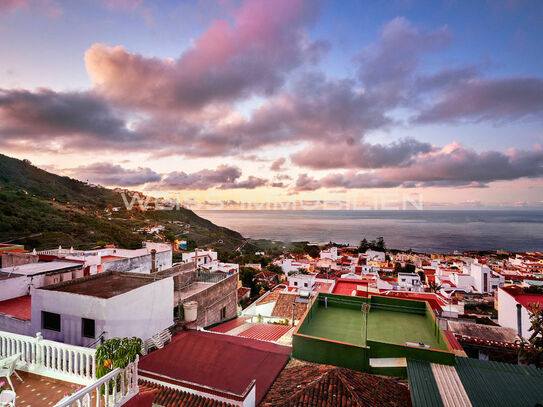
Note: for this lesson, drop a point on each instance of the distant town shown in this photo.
(376, 319)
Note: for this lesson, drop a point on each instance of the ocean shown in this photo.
(430, 231)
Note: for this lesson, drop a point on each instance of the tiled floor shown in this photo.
(38, 391)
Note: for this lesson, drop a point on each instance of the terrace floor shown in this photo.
(347, 325)
(37, 391)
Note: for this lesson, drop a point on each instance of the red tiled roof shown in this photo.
(144, 398)
(265, 332)
(283, 307)
(223, 362)
(228, 326)
(310, 384)
(18, 307)
(168, 397)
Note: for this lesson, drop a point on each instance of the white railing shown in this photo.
(51, 359)
(111, 390)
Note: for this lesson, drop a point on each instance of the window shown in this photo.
(87, 328)
(223, 313)
(50, 320)
(305, 284)
(295, 283)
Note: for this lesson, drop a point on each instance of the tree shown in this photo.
(434, 287)
(531, 351)
(364, 245)
(274, 268)
(397, 268)
(312, 250)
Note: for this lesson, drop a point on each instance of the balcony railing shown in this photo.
(111, 390)
(51, 359)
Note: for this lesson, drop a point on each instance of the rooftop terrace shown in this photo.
(333, 331)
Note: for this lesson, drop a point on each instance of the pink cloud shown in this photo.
(228, 61)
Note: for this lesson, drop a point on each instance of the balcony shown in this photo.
(50, 369)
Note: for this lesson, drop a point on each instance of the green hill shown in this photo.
(44, 210)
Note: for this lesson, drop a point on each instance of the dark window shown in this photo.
(295, 283)
(305, 284)
(223, 312)
(50, 320)
(87, 327)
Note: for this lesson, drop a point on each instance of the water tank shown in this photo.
(190, 309)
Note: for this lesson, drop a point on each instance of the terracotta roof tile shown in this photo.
(310, 384)
(168, 397)
(283, 307)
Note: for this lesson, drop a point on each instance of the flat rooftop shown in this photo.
(393, 325)
(103, 285)
(40, 267)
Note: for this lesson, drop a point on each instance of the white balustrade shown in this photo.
(57, 360)
(111, 390)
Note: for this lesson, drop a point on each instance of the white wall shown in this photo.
(507, 313)
(141, 312)
(13, 288)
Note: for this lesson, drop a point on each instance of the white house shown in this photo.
(106, 305)
(291, 265)
(409, 282)
(330, 253)
(302, 281)
(372, 255)
(204, 257)
(484, 279)
(141, 260)
(513, 308)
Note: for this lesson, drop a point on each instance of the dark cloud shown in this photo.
(223, 177)
(250, 183)
(77, 119)
(494, 100)
(363, 155)
(114, 175)
(451, 166)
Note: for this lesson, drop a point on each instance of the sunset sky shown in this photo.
(281, 100)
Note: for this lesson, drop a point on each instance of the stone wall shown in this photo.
(18, 259)
(210, 301)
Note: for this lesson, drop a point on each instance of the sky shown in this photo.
(233, 101)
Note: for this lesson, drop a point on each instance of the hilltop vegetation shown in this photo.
(42, 210)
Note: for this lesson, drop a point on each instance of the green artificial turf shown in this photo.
(347, 325)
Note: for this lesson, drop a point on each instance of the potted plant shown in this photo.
(7, 397)
(116, 353)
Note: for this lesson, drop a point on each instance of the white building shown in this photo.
(106, 305)
(372, 255)
(513, 308)
(208, 260)
(484, 279)
(330, 253)
(410, 282)
(302, 281)
(291, 265)
(100, 260)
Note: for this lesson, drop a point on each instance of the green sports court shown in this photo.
(333, 331)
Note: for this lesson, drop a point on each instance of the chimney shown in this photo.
(519, 319)
(153, 261)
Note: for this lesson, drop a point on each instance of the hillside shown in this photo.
(42, 210)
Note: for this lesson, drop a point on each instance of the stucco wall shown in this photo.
(140, 264)
(141, 312)
(507, 313)
(13, 287)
